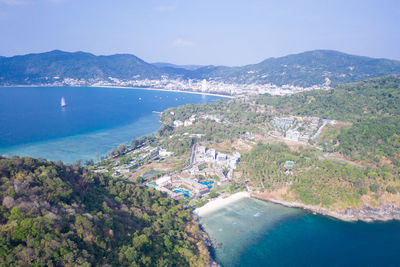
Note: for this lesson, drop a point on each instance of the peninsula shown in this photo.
(304, 150)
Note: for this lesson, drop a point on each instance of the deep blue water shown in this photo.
(94, 120)
(256, 233)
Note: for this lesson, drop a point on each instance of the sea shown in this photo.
(251, 232)
(33, 123)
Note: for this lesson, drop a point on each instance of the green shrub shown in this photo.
(391, 189)
(363, 190)
(374, 188)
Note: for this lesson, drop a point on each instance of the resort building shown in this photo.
(164, 153)
(163, 181)
(178, 123)
(196, 187)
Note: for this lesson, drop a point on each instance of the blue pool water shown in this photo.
(95, 119)
(210, 184)
(185, 192)
(254, 233)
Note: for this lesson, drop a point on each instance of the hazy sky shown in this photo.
(220, 32)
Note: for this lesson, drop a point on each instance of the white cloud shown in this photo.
(179, 42)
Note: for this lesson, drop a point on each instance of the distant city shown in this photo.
(191, 85)
(311, 70)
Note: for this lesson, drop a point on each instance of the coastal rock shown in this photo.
(366, 213)
(369, 214)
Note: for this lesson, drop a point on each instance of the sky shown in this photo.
(218, 32)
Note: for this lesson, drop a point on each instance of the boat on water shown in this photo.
(63, 103)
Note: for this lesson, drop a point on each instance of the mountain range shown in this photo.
(303, 69)
(187, 67)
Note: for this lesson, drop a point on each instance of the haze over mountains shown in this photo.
(304, 69)
(186, 67)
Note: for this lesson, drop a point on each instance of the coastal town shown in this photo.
(190, 85)
(207, 167)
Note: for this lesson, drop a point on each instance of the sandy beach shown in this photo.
(166, 90)
(220, 203)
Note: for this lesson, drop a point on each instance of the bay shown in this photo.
(251, 232)
(32, 122)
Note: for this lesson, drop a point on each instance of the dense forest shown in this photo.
(53, 214)
(374, 98)
(372, 139)
(313, 180)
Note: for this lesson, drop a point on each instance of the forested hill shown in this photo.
(57, 65)
(373, 106)
(373, 98)
(58, 215)
(305, 69)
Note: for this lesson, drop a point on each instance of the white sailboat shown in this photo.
(63, 104)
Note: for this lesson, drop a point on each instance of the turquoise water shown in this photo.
(253, 233)
(95, 120)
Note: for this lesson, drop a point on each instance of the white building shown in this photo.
(204, 85)
(187, 123)
(236, 155)
(164, 153)
(192, 118)
(211, 154)
(163, 181)
(178, 123)
(221, 157)
(201, 149)
(293, 135)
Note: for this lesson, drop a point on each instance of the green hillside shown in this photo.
(372, 105)
(372, 98)
(62, 215)
(305, 69)
(57, 65)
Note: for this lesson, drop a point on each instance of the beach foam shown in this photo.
(220, 203)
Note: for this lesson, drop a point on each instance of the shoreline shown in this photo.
(219, 203)
(310, 208)
(165, 90)
(367, 214)
(350, 214)
(132, 88)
